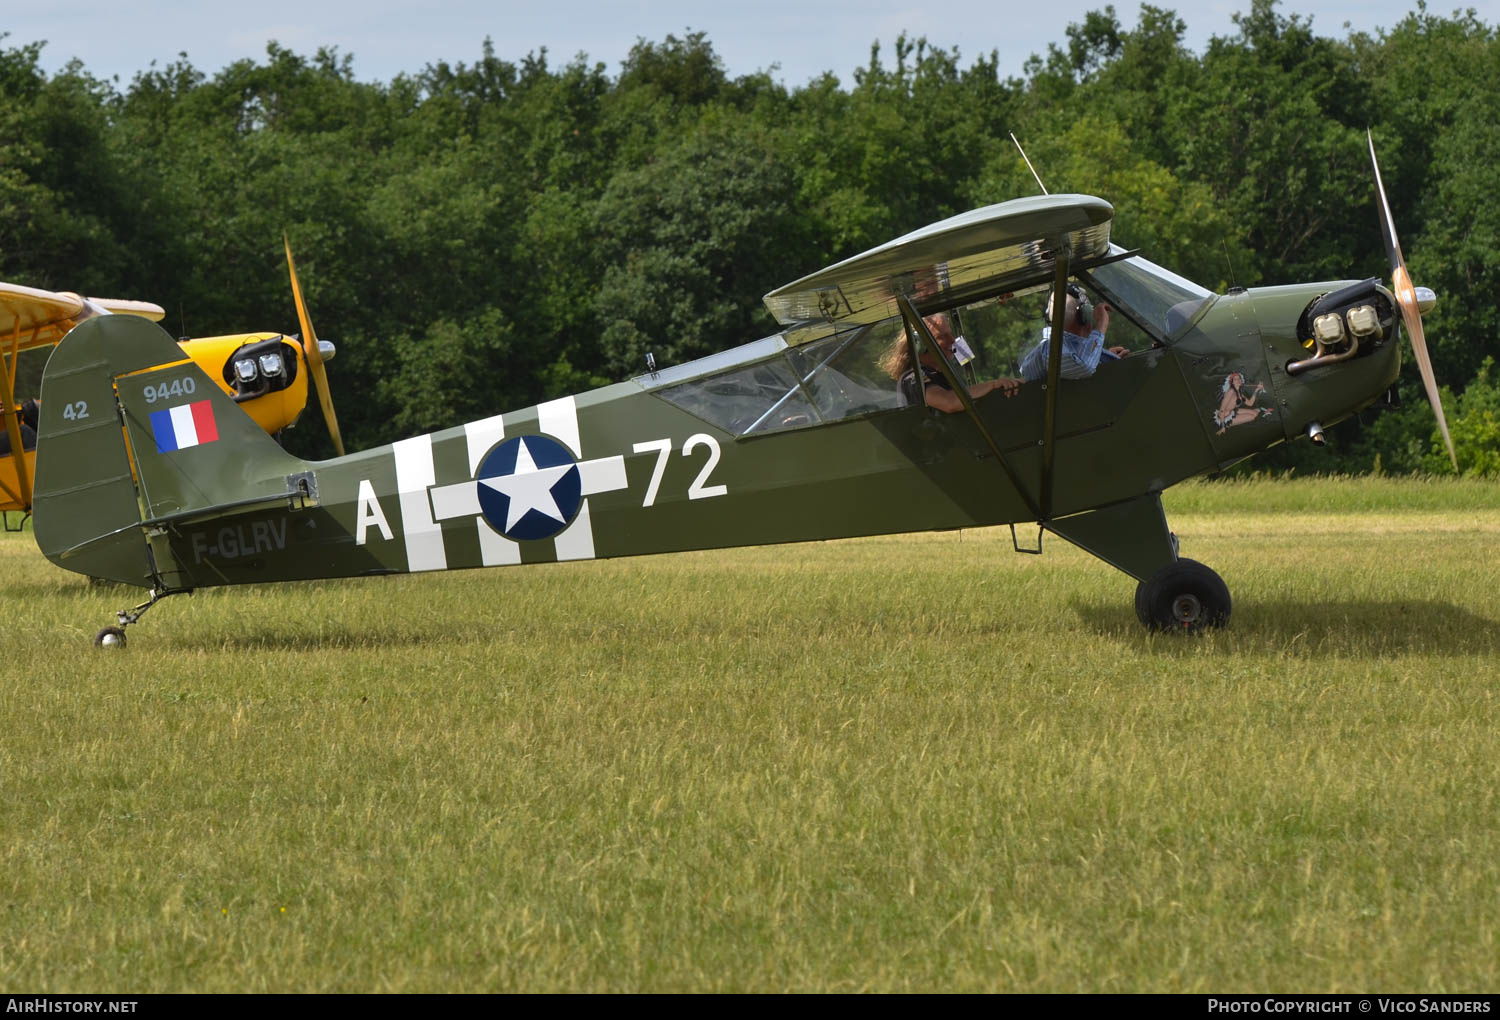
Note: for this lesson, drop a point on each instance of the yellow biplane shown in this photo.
(266, 374)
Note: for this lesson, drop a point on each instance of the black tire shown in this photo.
(110, 637)
(1184, 596)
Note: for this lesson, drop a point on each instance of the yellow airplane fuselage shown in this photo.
(272, 411)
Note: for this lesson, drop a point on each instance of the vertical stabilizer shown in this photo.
(133, 437)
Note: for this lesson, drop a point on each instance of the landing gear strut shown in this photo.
(1183, 596)
(114, 637)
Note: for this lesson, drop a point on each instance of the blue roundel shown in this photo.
(529, 488)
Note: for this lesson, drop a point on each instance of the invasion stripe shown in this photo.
(559, 418)
(576, 541)
(494, 549)
(415, 473)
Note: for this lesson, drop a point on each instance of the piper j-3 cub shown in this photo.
(802, 435)
(266, 374)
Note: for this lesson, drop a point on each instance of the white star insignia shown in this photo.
(528, 487)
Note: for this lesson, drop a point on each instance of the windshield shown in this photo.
(1157, 298)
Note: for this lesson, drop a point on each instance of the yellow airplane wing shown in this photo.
(30, 317)
(120, 306)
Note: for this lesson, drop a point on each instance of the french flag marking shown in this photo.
(185, 425)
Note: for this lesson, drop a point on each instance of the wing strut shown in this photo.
(9, 366)
(1054, 374)
(915, 329)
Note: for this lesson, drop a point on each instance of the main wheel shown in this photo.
(110, 637)
(1184, 596)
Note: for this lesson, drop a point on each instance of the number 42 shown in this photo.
(663, 448)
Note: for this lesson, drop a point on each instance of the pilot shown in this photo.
(27, 412)
(896, 362)
(1083, 340)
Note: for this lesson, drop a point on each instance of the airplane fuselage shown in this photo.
(621, 471)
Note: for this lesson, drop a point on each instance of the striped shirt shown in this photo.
(1080, 356)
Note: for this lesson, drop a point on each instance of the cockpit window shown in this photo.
(1157, 298)
(842, 373)
(826, 380)
(744, 399)
(1003, 331)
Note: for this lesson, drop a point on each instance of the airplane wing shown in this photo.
(40, 317)
(120, 306)
(964, 258)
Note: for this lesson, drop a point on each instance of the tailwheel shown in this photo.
(1184, 596)
(114, 637)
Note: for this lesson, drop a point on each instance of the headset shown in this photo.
(1077, 299)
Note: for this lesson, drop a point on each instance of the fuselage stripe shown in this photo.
(481, 436)
(494, 548)
(576, 541)
(414, 475)
(559, 419)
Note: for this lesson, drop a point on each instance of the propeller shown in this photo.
(314, 354)
(1406, 297)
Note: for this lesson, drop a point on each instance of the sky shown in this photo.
(800, 39)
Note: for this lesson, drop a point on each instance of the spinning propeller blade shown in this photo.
(314, 355)
(1406, 297)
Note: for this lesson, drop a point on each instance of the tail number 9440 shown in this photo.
(174, 389)
(700, 489)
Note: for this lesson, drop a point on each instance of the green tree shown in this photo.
(64, 204)
(1177, 223)
(897, 151)
(1474, 422)
(691, 241)
(1268, 125)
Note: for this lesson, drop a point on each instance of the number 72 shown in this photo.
(663, 448)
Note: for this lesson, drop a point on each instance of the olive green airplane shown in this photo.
(147, 473)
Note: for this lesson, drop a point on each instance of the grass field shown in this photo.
(918, 763)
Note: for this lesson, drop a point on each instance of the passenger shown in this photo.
(1083, 341)
(896, 362)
